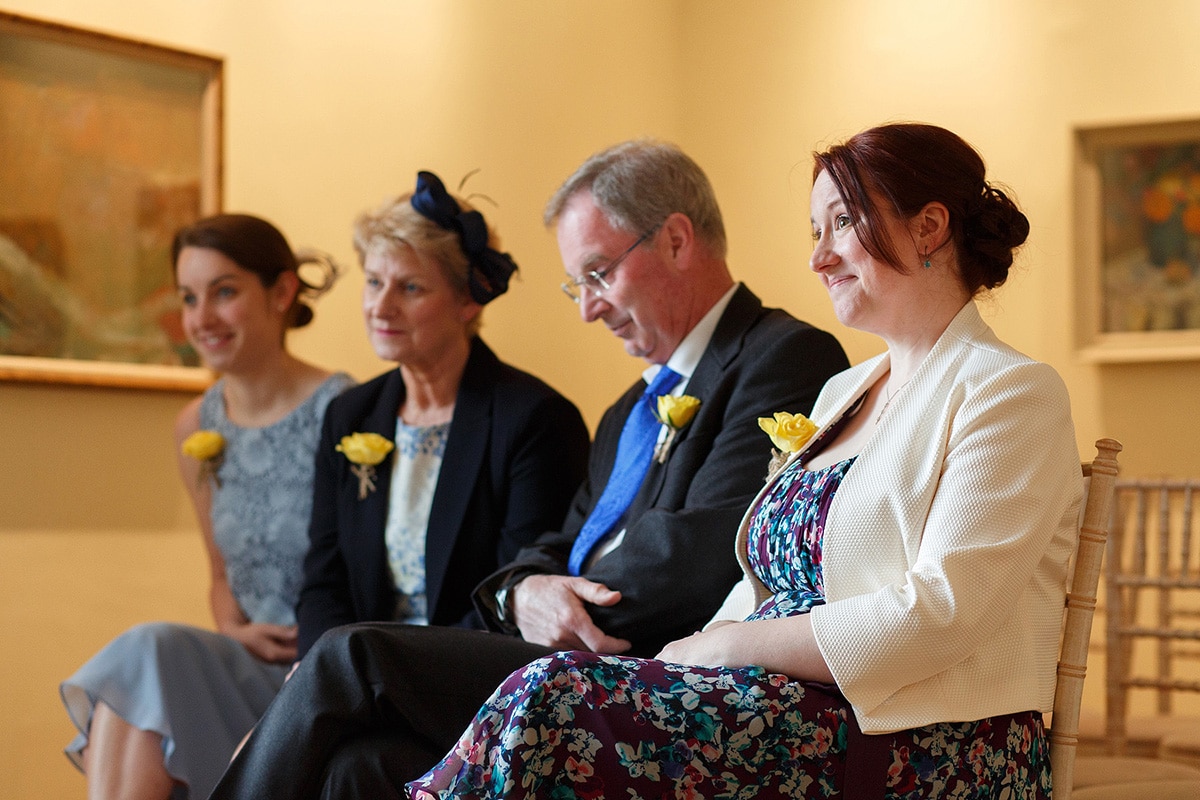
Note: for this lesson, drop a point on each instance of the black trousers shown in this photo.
(371, 706)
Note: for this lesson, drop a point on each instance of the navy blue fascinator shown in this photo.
(490, 269)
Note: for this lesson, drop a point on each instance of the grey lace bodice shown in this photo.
(260, 513)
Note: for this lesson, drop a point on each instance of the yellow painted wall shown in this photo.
(330, 107)
(1013, 78)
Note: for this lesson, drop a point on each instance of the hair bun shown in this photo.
(317, 272)
(992, 229)
(302, 314)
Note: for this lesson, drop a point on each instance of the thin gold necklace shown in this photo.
(888, 401)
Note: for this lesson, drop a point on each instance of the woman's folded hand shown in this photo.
(275, 644)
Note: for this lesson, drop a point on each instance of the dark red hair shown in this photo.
(899, 169)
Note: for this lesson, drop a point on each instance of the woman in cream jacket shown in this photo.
(970, 480)
(896, 632)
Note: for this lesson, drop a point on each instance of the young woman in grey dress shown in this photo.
(161, 708)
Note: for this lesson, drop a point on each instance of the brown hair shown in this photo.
(257, 246)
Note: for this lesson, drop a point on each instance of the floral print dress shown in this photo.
(583, 725)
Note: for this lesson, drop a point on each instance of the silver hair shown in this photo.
(638, 184)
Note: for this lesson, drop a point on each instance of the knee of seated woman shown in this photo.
(156, 634)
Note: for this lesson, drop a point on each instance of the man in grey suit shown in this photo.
(634, 566)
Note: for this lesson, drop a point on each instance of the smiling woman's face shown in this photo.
(229, 317)
(866, 293)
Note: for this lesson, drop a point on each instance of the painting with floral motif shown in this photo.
(109, 146)
(1138, 217)
(1151, 207)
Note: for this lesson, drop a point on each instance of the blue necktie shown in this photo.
(635, 448)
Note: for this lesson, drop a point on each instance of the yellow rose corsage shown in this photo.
(207, 447)
(675, 413)
(364, 451)
(789, 433)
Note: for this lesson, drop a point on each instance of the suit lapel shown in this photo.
(370, 513)
(466, 446)
(741, 312)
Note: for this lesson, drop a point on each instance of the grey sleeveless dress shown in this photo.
(200, 690)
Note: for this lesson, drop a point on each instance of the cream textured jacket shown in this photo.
(945, 548)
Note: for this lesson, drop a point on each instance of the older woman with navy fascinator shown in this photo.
(431, 476)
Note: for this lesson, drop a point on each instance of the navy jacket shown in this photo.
(515, 454)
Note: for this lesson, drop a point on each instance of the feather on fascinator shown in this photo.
(490, 269)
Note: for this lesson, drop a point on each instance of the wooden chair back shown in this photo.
(1081, 606)
(1152, 590)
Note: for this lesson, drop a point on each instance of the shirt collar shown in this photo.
(689, 352)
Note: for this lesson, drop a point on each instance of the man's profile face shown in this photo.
(637, 305)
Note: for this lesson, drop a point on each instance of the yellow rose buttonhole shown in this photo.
(675, 413)
(203, 445)
(365, 448)
(788, 432)
(207, 447)
(364, 451)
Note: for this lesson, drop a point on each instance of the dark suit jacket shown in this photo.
(515, 454)
(676, 562)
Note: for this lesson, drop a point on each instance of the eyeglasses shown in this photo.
(596, 281)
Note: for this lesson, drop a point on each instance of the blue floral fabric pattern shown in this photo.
(786, 531)
(584, 725)
(419, 452)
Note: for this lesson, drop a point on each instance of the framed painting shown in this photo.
(1138, 241)
(109, 146)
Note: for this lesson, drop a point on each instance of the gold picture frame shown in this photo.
(110, 144)
(1137, 222)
